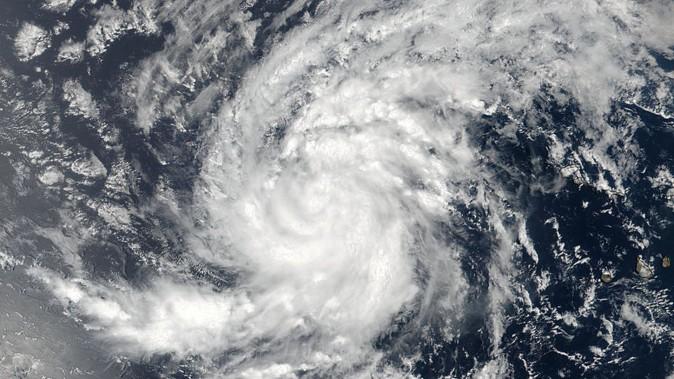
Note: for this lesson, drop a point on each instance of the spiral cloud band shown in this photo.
(350, 173)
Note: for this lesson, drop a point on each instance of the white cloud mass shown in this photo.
(31, 41)
(331, 165)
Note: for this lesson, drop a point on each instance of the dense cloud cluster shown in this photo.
(339, 153)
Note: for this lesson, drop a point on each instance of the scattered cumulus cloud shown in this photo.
(31, 41)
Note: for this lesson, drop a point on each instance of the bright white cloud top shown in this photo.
(338, 158)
